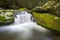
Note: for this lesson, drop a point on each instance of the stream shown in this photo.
(20, 18)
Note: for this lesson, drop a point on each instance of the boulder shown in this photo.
(48, 21)
(6, 17)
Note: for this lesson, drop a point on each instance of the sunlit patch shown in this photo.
(56, 17)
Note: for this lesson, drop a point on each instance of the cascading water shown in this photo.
(23, 28)
(22, 17)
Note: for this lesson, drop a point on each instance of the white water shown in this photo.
(22, 17)
(22, 28)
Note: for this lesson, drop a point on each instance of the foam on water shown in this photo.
(23, 28)
(22, 17)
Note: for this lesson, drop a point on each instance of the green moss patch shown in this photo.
(47, 20)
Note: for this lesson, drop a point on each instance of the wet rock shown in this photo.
(6, 17)
(48, 21)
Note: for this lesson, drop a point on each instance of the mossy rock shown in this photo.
(48, 21)
(16, 4)
(50, 7)
(6, 17)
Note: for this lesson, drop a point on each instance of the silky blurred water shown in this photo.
(20, 18)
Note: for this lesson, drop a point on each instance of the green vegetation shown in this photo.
(6, 17)
(48, 15)
(16, 4)
(45, 12)
(22, 9)
(50, 7)
(48, 21)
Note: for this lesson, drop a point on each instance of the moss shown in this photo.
(47, 20)
(2, 18)
(48, 15)
(48, 5)
(16, 4)
(22, 9)
(55, 9)
(6, 17)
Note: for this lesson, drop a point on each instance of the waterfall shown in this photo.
(22, 17)
(23, 31)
